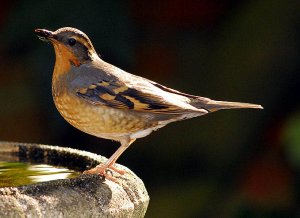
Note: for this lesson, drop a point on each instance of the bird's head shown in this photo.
(69, 43)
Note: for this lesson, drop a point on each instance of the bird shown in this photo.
(105, 101)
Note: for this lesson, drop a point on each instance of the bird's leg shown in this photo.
(112, 160)
(109, 164)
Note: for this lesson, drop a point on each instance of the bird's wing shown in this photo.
(144, 97)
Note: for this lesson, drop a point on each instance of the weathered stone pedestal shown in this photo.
(84, 196)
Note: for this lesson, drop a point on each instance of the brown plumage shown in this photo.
(105, 101)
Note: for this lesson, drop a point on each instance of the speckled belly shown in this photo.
(100, 120)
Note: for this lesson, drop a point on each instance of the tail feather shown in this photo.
(212, 105)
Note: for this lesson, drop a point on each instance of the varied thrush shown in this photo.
(105, 101)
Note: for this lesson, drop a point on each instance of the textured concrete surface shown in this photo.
(84, 196)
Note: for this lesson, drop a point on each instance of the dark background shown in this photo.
(242, 163)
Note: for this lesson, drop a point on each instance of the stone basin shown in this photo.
(83, 196)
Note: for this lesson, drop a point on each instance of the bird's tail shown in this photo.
(212, 105)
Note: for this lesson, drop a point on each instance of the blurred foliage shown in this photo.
(291, 139)
(227, 164)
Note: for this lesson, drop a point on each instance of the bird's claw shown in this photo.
(106, 172)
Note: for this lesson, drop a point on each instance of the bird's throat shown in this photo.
(64, 59)
(63, 63)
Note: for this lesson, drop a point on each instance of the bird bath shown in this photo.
(37, 194)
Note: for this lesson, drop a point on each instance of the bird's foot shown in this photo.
(113, 168)
(102, 170)
(106, 171)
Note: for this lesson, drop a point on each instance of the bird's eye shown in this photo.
(72, 41)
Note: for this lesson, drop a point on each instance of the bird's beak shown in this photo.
(44, 35)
